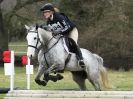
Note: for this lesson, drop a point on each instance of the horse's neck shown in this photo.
(40, 54)
(46, 35)
(46, 38)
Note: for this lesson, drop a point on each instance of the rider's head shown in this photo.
(48, 10)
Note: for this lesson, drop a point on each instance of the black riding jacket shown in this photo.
(60, 24)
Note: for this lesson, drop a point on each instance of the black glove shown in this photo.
(55, 34)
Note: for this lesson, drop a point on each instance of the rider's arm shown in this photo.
(66, 24)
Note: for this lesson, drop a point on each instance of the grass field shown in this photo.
(119, 79)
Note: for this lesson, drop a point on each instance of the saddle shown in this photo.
(69, 45)
(74, 48)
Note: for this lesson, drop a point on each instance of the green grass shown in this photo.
(2, 96)
(19, 48)
(120, 80)
(20, 80)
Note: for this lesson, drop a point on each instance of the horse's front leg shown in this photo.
(40, 71)
(53, 69)
(53, 78)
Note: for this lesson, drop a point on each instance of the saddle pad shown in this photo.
(65, 46)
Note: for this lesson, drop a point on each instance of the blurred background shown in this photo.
(105, 27)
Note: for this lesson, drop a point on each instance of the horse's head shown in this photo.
(33, 41)
(38, 38)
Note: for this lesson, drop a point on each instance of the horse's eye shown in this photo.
(35, 38)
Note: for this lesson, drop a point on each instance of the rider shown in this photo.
(59, 23)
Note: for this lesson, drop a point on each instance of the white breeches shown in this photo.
(74, 34)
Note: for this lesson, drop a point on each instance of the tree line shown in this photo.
(105, 26)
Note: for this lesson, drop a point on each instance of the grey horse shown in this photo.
(52, 54)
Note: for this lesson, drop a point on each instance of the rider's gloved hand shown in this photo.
(55, 33)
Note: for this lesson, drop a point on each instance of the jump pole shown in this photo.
(29, 69)
(8, 58)
(28, 73)
(12, 74)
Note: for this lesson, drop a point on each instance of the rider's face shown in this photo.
(47, 14)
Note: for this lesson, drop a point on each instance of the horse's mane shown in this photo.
(44, 30)
(36, 26)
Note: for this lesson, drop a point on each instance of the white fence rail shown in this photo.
(56, 94)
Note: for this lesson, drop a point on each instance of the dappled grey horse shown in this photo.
(52, 56)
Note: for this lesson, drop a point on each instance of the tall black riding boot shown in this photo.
(77, 50)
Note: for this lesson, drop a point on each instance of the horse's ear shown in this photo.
(27, 27)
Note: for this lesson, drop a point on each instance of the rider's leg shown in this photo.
(74, 35)
(77, 50)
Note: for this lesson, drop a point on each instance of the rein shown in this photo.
(38, 40)
(50, 49)
(52, 45)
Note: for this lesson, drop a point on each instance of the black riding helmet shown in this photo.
(47, 6)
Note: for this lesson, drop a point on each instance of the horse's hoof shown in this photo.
(53, 78)
(59, 77)
(39, 82)
(44, 83)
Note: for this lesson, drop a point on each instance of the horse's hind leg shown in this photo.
(79, 77)
(94, 79)
(96, 84)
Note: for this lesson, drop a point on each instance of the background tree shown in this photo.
(3, 34)
(12, 20)
(105, 26)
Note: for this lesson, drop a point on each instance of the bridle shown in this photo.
(46, 45)
(38, 41)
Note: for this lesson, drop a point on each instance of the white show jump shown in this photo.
(56, 94)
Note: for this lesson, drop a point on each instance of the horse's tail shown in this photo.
(104, 77)
(103, 72)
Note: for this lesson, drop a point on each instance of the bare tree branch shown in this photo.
(18, 6)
